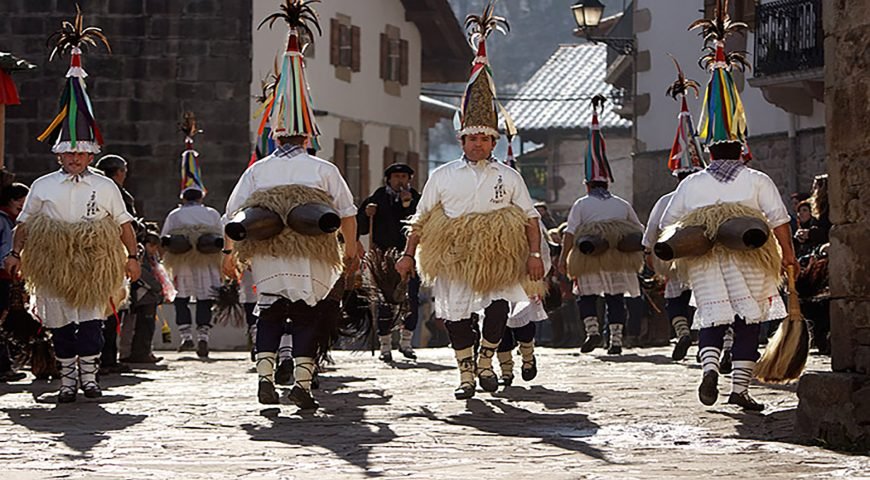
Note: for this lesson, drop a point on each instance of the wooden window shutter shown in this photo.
(385, 52)
(709, 8)
(389, 155)
(404, 50)
(338, 157)
(364, 173)
(334, 41)
(355, 48)
(414, 162)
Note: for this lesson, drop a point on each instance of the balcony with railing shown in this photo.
(789, 53)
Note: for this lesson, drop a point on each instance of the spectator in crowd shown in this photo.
(11, 200)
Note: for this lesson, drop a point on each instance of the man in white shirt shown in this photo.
(72, 235)
(611, 274)
(74, 195)
(293, 287)
(195, 274)
(731, 287)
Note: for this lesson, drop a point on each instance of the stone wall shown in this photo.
(835, 407)
(771, 153)
(167, 56)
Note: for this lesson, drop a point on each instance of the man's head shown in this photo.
(190, 195)
(797, 198)
(398, 176)
(12, 197)
(726, 151)
(478, 146)
(299, 140)
(804, 211)
(75, 163)
(595, 184)
(114, 167)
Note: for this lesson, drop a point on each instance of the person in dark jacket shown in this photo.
(11, 200)
(115, 168)
(147, 293)
(381, 216)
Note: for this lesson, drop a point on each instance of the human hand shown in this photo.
(535, 267)
(134, 271)
(12, 265)
(371, 210)
(230, 269)
(405, 267)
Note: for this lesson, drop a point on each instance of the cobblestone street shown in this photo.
(634, 416)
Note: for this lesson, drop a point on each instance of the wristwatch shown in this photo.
(535, 254)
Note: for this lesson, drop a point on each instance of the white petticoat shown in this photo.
(728, 288)
(295, 279)
(196, 282)
(526, 312)
(607, 283)
(455, 301)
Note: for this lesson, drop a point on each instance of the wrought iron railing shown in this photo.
(788, 36)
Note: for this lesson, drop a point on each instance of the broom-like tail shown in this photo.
(227, 308)
(786, 354)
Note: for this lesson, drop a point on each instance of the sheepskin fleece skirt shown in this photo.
(611, 273)
(727, 282)
(75, 271)
(289, 244)
(474, 259)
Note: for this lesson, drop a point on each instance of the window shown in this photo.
(352, 160)
(394, 57)
(394, 60)
(345, 44)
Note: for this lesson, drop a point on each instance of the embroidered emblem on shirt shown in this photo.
(91, 208)
(499, 191)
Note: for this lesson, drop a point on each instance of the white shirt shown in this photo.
(301, 169)
(85, 197)
(651, 235)
(296, 278)
(462, 189)
(192, 215)
(592, 209)
(751, 188)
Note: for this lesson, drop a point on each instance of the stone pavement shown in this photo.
(589, 416)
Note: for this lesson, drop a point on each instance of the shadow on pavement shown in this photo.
(635, 358)
(549, 398)
(81, 425)
(562, 430)
(340, 426)
(775, 426)
(432, 367)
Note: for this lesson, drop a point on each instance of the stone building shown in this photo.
(168, 56)
(835, 406)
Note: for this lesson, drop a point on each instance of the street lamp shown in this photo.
(587, 15)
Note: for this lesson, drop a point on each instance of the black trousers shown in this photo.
(143, 330)
(78, 339)
(512, 337)
(308, 326)
(588, 305)
(109, 354)
(5, 360)
(745, 345)
(495, 316)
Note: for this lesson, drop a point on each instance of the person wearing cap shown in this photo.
(476, 229)
(115, 168)
(684, 159)
(382, 216)
(74, 234)
(195, 273)
(611, 275)
(297, 277)
(736, 288)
